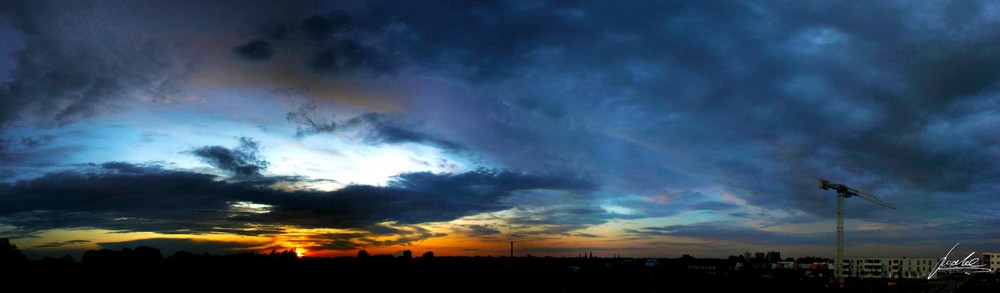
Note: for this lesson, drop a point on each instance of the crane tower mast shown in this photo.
(844, 192)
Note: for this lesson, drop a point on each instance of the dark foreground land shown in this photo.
(384, 273)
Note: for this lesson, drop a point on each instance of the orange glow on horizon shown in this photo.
(449, 239)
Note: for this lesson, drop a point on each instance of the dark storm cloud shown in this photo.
(129, 197)
(760, 99)
(492, 39)
(731, 232)
(322, 27)
(341, 57)
(60, 243)
(339, 52)
(479, 230)
(307, 125)
(490, 181)
(244, 160)
(169, 246)
(757, 99)
(6, 154)
(61, 77)
(412, 198)
(547, 213)
(383, 129)
(375, 128)
(256, 50)
(713, 206)
(334, 46)
(130, 193)
(32, 143)
(953, 70)
(31, 158)
(73, 61)
(552, 221)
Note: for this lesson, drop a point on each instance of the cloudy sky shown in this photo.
(638, 128)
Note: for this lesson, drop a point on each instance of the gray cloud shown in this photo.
(321, 27)
(756, 99)
(169, 246)
(713, 206)
(61, 243)
(760, 99)
(307, 125)
(732, 233)
(61, 77)
(244, 160)
(374, 127)
(32, 143)
(921, 240)
(541, 214)
(121, 196)
(480, 230)
(256, 50)
(383, 129)
(335, 46)
(346, 56)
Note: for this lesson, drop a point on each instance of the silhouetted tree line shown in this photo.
(386, 272)
(142, 255)
(9, 254)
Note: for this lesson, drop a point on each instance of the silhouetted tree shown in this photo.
(102, 256)
(429, 254)
(9, 254)
(362, 254)
(146, 255)
(407, 254)
(284, 255)
(183, 256)
(61, 263)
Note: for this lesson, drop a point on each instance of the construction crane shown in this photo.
(844, 192)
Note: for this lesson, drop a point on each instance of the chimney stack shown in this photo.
(512, 249)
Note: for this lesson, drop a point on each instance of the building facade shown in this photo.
(889, 268)
(991, 260)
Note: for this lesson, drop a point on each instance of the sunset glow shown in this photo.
(645, 129)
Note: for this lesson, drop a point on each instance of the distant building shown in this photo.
(704, 266)
(888, 268)
(705, 269)
(773, 256)
(786, 265)
(914, 268)
(991, 260)
(758, 256)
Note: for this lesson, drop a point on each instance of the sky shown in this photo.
(640, 128)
